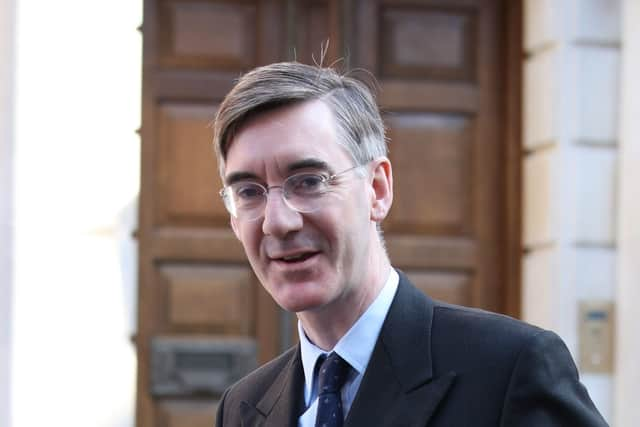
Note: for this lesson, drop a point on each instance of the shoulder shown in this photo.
(455, 326)
(457, 334)
(482, 335)
(477, 322)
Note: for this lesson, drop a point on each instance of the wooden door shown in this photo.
(204, 319)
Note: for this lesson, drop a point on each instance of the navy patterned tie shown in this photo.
(332, 375)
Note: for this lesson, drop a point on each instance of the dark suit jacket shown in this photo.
(435, 365)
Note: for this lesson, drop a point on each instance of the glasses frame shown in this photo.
(226, 194)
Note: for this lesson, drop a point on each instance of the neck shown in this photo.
(325, 326)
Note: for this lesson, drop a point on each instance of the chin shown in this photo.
(298, 300)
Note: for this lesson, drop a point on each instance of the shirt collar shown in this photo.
(357, 344)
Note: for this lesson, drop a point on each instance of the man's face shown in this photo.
(304, 260)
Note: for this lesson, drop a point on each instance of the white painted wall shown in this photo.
(627, 383)
(7, 65)
(76, 170)
(571, 79)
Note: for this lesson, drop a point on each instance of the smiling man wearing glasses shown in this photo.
(307, 183)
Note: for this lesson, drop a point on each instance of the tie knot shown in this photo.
(332, 375)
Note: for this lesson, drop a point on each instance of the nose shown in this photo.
(279, 219)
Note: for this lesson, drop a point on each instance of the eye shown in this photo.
(307, 183)
(247, 192)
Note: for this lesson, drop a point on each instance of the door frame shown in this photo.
(513, 155)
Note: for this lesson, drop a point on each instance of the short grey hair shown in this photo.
(352, 102)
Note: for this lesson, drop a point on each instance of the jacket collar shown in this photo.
(283, 401)
(400, 387)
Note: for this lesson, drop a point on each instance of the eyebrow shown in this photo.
(310, 163)
(239, 176)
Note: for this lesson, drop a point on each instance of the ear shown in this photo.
(234, 226)
(382, 186)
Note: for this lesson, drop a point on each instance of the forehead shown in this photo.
(271, 142)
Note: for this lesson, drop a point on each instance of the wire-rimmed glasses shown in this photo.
(303, 192)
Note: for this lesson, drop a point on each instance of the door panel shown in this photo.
(427, 42)
(204, 319)
(209, 298)
(453, 287)
(434, 182)
(184, 158)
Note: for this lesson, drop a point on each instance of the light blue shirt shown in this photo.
(355, 347)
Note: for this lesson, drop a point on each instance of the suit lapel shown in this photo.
(399, 387)
(282, 402)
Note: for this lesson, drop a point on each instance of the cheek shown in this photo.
(249, 238)
(345, 226)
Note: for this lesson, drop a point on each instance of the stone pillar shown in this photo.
(571, 70)
(627, 379)
(7, 67)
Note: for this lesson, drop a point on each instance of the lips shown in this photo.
(297, 258)
(294, 257)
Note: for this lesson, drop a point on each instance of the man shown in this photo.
(307, 183)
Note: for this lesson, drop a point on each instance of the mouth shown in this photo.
(295, 258)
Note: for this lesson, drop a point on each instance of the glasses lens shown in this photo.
(304, 191)
(247, 200)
